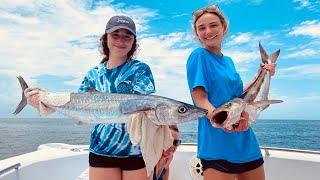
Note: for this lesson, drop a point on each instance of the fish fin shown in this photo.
(263, 54)
(262, 105)
(274, 56)
(23, 101)
(254, 108)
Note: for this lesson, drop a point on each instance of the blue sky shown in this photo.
(52, 44)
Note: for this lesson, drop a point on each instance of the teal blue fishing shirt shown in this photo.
(219, 78)
(132, 77)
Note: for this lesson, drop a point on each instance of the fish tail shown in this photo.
(274, 56)
(23, 101)
(265, 57)
(263, 54)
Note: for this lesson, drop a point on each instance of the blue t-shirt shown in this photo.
(219, 78)
(131, 77)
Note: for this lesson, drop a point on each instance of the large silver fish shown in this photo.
(253, 100)
(96, 107)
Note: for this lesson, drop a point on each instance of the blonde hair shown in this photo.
(213, 9)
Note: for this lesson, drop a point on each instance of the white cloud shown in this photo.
(15, 3)
(303, 71)
(244, 50)
(251, 2)
(310, 98)
(302, 53)
(14, 18)
(302, 3)
(242, 56)
(180, 15)
(312, 5)
(240, 38)
(167, 63)
(307, 28)
(248, 41)
(39, 34)
(221, 1)
(291, 107)
(141, 16)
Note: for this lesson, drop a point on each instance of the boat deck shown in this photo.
(65, 162)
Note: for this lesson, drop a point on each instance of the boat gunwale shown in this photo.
(267, 148)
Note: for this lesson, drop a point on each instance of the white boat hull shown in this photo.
(69, 162)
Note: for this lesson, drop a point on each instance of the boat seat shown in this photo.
(195, 168)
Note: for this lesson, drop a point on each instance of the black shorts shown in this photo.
(126, 163)
(229, 167)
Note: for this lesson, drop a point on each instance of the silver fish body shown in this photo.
(97, 107)
(253, 100)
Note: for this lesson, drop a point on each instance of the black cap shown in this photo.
(120, 22)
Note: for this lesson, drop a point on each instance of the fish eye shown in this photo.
(227, 105)
(182, 109)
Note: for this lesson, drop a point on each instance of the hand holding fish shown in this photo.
(271, 67)
(33, 98)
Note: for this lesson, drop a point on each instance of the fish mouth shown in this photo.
(220, 117)
(201, 112)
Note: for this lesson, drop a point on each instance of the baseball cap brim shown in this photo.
(111, 30)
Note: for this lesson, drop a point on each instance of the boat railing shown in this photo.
(15, 166)
(267, 149)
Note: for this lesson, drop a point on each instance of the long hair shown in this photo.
(104, 50)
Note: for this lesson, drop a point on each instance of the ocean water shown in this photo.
(19, 136)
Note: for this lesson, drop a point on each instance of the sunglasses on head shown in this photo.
(176, 142)
(210, 9)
